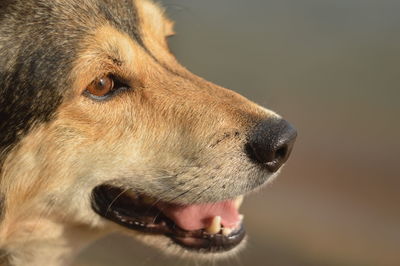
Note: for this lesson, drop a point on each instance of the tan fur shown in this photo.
(168, 123)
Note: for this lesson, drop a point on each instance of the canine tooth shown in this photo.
(215, 225)
(241, 217)
(227, 231)
(238, 201)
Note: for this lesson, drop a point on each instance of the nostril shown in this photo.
(281, 152)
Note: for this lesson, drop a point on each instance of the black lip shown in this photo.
(111, 203)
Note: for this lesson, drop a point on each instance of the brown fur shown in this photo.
(171, 133)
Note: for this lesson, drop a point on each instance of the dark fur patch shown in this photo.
(123, 15)
(39, 40)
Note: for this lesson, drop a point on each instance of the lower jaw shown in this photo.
(217, 243)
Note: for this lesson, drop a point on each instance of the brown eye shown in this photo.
(101, 86)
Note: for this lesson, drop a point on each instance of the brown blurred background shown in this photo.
(332, 68)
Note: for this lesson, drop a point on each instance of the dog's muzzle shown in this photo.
(207, 227)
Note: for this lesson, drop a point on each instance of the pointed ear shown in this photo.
(154, 19)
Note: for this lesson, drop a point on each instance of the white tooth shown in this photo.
(238, 202)
(215, 225)
(227, 231)
(241, 217)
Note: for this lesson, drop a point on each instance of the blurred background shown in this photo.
(332, 68)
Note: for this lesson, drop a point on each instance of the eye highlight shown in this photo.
(101, 86)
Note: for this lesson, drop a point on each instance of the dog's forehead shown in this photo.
(77, 18)
(132, 17)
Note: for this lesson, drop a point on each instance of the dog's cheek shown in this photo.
(2, 206)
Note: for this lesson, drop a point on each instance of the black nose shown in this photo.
(271, 142)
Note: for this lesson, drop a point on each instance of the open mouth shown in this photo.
(208, 228)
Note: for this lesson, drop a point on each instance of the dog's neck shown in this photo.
(32, 231)
(49, 243)
(37, 239)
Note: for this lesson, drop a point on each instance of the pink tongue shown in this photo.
(195, 217)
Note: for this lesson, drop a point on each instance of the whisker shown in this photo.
(115, 199)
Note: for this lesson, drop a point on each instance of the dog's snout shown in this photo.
(271, 142)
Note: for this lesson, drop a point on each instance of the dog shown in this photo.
(102, 130)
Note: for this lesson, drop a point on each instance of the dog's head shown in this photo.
(102, 127)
